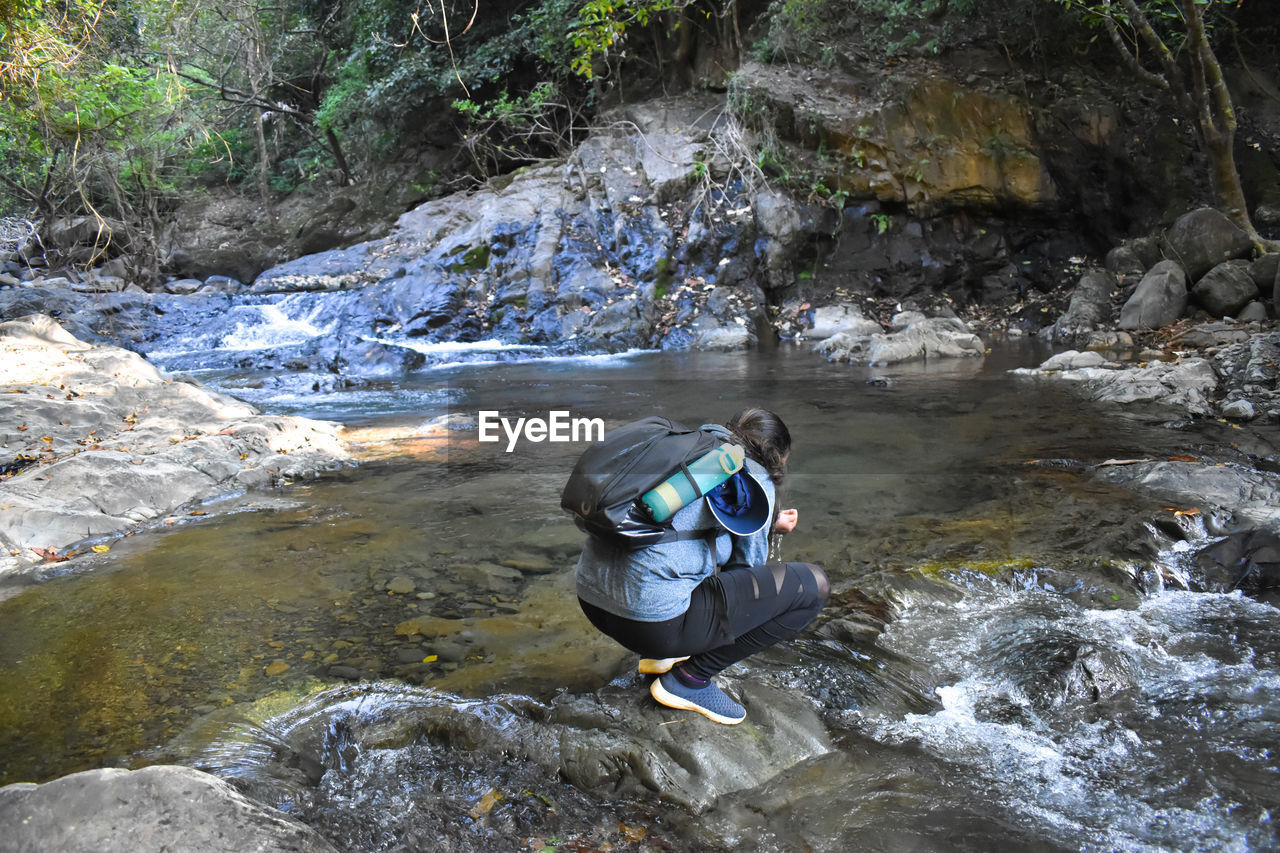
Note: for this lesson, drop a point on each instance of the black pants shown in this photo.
(731, 615)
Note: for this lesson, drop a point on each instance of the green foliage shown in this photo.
(91, 130)
(603, 23)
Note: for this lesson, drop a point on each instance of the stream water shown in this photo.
(1041, 685)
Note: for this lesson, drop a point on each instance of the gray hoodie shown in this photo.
(654, 584)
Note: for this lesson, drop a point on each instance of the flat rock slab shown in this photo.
(161, 808)
(1189, 384)
(96, 441)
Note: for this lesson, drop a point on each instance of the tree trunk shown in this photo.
(1215, 116)
(336, 148)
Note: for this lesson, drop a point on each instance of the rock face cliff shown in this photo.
(718, 219)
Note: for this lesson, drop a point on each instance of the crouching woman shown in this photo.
(693, 607)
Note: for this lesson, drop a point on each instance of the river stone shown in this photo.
(1160, 299)
(183, 286)
(1254, 312)
(401, 585)
(1225, 289)
(1239, 410)
(155, 809)
(842, 317)
(1124, 260)
(1204, 238)
(1073, 360)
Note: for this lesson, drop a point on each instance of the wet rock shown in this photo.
(614, 742)
(1204, 238)
(1090, 308)
(1160, 299)
(120, 444)
(160, 808)
(933, 338)
(1251, 496)
(1225, 289)
(1239, 410)
(1248, 561)
(401, 585)
(1188, 385)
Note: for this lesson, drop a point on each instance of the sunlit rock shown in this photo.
(160, 808)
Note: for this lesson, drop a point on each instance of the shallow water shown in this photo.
(952, 495)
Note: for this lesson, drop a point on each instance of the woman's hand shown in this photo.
(787, 520)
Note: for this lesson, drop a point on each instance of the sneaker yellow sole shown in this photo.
(658, 666)
(664, 697)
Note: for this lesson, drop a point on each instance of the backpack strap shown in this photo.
(693, 481)
(684, 535)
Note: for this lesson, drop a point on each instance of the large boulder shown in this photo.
(1090, 307)
(1204, 238)
(1225, 289)
(1248, 561)
(1160, 299)
(160, 808)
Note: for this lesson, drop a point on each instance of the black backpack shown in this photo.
(604, 489)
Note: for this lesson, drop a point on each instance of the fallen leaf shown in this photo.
(487, 802)
(101, 549)
(633, 834)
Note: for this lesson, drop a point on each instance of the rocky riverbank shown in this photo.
(652, 235)
(96, 442)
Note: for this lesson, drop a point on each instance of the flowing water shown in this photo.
(1035, 684)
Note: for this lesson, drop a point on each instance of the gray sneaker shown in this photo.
(710, 701)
